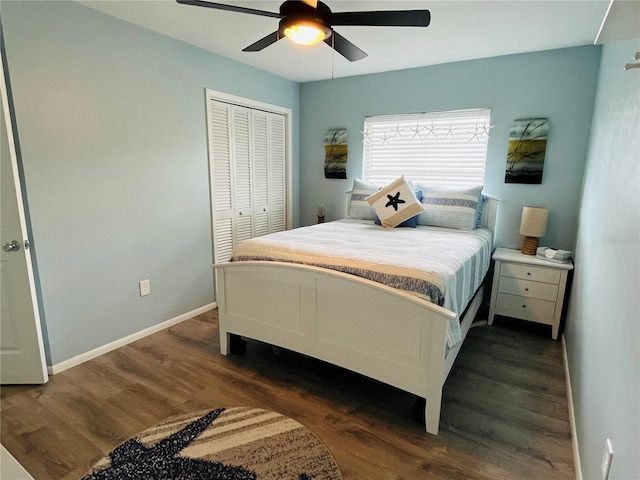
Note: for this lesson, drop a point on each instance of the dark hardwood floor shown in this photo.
(504, 413)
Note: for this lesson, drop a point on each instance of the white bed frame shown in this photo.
(369, 328)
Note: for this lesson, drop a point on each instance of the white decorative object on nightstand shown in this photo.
(528, 288)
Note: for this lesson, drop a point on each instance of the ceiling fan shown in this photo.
(307, 22)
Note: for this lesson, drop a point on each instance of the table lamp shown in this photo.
(533, 226)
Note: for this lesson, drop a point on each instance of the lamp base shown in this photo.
(530, 245)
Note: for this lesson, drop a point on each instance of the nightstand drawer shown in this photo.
(527, 288)
(528, 272)
(525, 308)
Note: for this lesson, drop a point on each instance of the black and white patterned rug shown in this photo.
(226, 444)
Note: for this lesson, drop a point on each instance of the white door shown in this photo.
(22, 357)
(219, 123)
(277, 174)
(242, 173)
(249, 167)
(260, 180)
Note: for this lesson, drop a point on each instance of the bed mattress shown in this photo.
(442, 265)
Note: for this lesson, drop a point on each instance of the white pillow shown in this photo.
(358, 206)
(450, 207)
(395, 203)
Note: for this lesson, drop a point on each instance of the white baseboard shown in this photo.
(96, 352)
(572, 414)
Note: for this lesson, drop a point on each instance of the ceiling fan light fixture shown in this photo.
(306, 32)
(308, 22)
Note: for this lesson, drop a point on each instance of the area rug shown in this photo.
(227, 444)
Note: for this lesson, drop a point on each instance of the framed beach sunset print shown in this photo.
(336, 153)
(527, 147)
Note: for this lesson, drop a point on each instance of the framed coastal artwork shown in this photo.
(336, 153)
(527, 147)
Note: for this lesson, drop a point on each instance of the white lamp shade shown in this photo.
(534, 221)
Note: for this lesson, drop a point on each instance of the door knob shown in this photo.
(12, 246)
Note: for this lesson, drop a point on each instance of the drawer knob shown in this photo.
(529, 273)
(524, 306)
(526, 289)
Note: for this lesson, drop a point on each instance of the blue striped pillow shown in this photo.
(358, 206)
(449, 207)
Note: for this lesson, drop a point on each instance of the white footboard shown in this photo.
(366, 327)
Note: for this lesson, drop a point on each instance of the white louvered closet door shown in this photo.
(277, 174)
(260, 140)
(247, 165)
(242, 165)
(222, 212)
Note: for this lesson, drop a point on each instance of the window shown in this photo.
(438, 148)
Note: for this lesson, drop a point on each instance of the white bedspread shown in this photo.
(442, 265)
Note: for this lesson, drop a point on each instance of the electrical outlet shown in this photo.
(145, 287)
(606, 459)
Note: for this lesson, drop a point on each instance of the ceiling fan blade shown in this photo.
(392, 18)
(263, 42)
(344, 47)
(230, 8)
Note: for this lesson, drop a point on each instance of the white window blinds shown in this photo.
(438, 148)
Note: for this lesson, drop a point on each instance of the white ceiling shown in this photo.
(459, 30)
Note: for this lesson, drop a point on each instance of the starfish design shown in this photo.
(486, 129)
(133, 460)
(475, 134)
(416, 132)
(449, 131)
(397, 131)
(385, 138)
(430, 131)
(394, 201)
(366, 135)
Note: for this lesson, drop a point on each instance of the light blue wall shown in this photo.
(602, 330)
(558, 84)
(111, 119)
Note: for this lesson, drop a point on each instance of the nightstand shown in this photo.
(528, 288)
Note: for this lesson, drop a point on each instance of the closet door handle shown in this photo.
(12, 246)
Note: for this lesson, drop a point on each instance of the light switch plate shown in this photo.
(145, 287)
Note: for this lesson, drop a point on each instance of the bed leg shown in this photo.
(432, 414)
(224, 343)
(427, 413)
